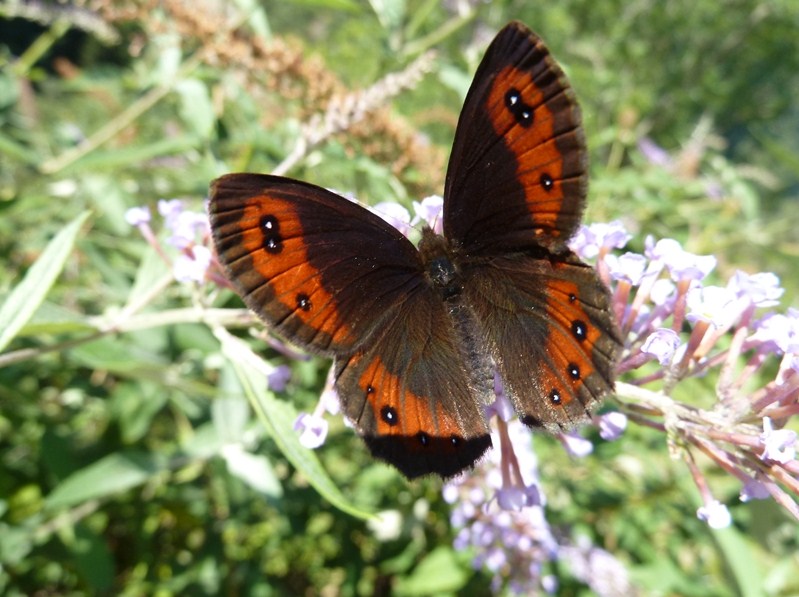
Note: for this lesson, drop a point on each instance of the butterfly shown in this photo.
(418, 333)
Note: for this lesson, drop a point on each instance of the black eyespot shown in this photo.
(572, 297)
(573, 370)
(424, 439)
(389, 415)
(304, 301)
(579, 329)
(270, 227)
(455, 440)
(547, 182)
(370, 390)
(532, 421)
(522, 112)
(554, 397)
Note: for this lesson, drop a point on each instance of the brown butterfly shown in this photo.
(417, 333)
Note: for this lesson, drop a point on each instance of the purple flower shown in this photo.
(502, 519)
(762, 289)
(277, 380)
(661, 344)
(753, 490)
(170, 208)
(662, 292)
(589, 240)
(185, 226)
(511, 498)
(312, 430)
(597, 568)
(612, 425)
(192, 267)
(394, 214)
(136, 216)
(654, 153)
(501, 407)
(779, 331)
(713, 304)
(629, 267)
(682, 264)
(429, 210)
(715, 514)
(779, 445)
(576, 445)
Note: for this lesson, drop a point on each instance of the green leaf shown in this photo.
(110, 475)
(26, 297)
(255, 470)
(741, 561)
(196, 108)
(55, 319)
(278, 418)
(439, 572)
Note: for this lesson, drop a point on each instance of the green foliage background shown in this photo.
(116, 472)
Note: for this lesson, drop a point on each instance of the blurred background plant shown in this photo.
(132, 462)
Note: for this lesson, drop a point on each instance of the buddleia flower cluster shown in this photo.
(676, 325)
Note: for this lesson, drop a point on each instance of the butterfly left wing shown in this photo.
(336, 279)
(548, 325)
(321, 270)
(517, 173)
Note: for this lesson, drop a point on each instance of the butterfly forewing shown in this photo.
(517, 173)
(323, 271)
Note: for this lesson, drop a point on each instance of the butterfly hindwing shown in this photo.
(416, 393)
(323, 271)
(517, 173)
(548, 325)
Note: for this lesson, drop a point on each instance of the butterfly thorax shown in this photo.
(439, 263)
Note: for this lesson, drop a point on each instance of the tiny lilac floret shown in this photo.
(762, 289)
(629, 267)
(654, 153)
(715, 514)
(612, 425)
(169, 208)
(588, 240)
(136, 216)
(430, 211)
(681, 264)
(511, 498)
(661, 344)
(713, 304)
(662, 292)
(394, 214)
(277, 380)
(185, 227)
(779, 331)
(753, 490)
(779, 445)
(501, 407)
(312, 430)
(192, 268)
(576, 445)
